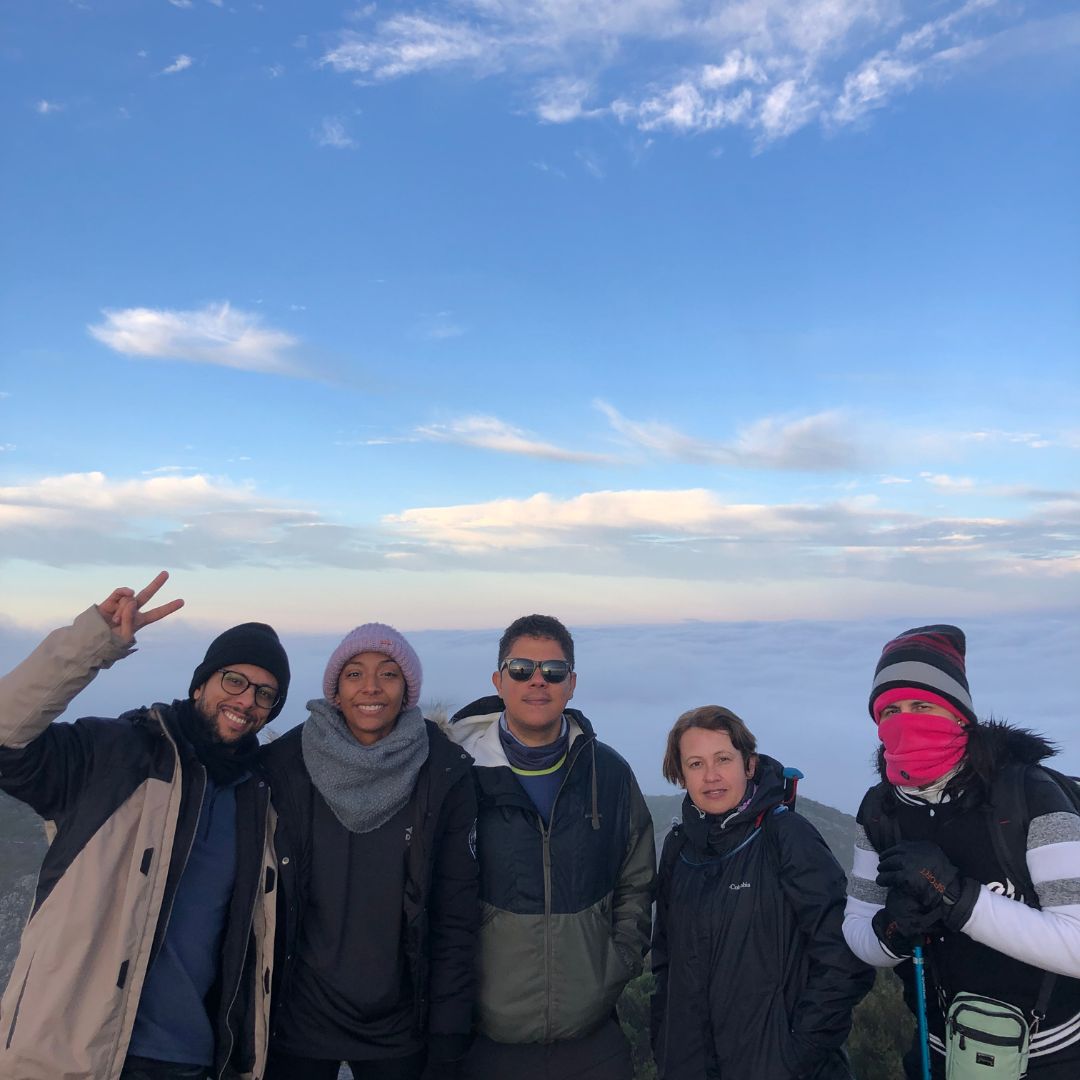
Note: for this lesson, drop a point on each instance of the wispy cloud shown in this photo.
(812, 443)
(591, 163)
(769, 66)
(406, 44)
(181, 63)
(490, 433)
(562, 98)
(332, 133)
(47, 108)
(947, 483)
(182, 3)
(216, 334)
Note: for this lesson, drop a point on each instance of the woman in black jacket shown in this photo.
(753, 978)
(378, 879)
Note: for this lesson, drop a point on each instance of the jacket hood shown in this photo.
(998, 743)
(474, 729)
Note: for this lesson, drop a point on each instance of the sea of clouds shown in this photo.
(801, 685)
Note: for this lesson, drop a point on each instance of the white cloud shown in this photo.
(6, 448)
(406, 44)
(216, 334)
(489, 433)
(181, 63)
(90, 518)
(819, 442)
(332, 133)
(945, 482)
(769, 66)
(182, 3)
(45, 108)
(562, 99)
(898, 70)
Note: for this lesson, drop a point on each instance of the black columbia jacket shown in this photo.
(753, 978)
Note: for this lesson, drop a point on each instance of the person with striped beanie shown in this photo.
(935, 863)
(922, 705)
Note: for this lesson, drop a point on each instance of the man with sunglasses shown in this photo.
(567, 866)
(148, 949)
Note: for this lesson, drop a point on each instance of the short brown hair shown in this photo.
(711, 718)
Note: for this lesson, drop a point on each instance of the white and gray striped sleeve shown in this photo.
(865, 899)
(1049, 938)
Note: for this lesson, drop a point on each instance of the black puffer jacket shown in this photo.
(753, 978)
(1011, 937)
(441, 904)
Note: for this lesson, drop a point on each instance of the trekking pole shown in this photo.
(920, 1001)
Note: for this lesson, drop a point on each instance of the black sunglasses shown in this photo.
(553, 671)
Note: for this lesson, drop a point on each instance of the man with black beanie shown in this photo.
(147, 954)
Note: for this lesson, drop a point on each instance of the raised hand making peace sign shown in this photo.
(121, 609)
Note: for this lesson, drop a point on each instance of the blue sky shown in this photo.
(634, 312)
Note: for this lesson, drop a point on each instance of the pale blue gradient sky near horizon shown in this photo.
(671, 313)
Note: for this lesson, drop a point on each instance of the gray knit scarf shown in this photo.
(365, 786)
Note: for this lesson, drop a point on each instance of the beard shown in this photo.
(207, 724)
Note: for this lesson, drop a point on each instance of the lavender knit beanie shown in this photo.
(380, 638)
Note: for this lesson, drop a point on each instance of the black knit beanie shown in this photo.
(928, 658)
(249, 643)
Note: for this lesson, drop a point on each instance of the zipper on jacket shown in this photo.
(191, 843)
(187, 854)
(258, 893)
(549, 948)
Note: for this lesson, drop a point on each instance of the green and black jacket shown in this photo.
(566, 908)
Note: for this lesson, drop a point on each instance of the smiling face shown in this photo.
(229, 717)
(370, 692)
(714, 772)
(534, 708)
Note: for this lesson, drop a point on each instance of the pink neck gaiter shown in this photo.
(920, 748)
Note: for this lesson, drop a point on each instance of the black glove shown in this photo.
(923, 871)
(904, 923)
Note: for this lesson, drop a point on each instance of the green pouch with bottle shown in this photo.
(985, 1039)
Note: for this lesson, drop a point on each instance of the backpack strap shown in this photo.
(1009, 818)
(878, 817)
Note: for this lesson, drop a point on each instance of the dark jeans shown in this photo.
(603, 1055)
(137, 1068)
(286, 1067)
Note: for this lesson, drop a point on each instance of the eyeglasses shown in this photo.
(232, 682)
(553, 671)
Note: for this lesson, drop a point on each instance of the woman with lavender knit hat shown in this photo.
(378, 879)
